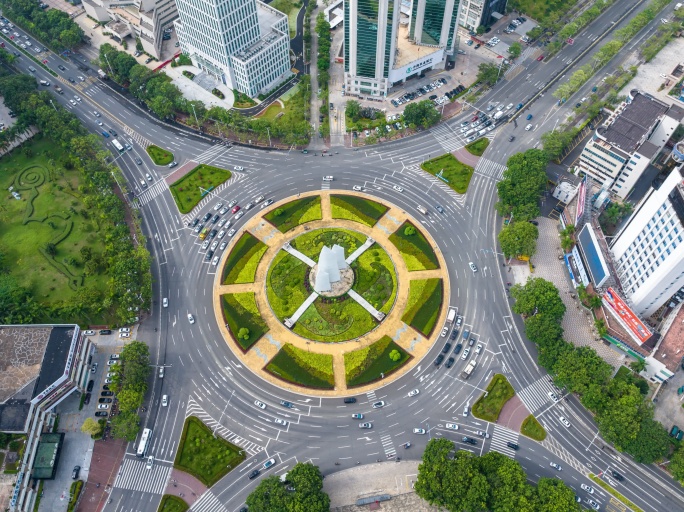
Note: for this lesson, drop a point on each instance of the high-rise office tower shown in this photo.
(244, 44)
(480, 12)
(649, 250)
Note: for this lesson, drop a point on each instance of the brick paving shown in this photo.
(577, 322)
(513, 414)
(105, 463)
(188, 485)
(465, 157)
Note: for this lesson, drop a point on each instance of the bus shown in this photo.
(118, 146)
(144, 442)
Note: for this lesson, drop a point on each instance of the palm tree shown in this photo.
(638, 366)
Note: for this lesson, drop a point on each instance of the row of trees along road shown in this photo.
(462, 481)
(129, 286)
(623, 415)
(302, 491)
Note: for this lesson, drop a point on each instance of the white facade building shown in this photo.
(474, 13)
(244, 44)
(649, 250)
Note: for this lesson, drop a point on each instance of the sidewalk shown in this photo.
(193, 91)
(316, 143)
(188, 485)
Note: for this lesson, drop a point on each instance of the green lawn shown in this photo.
(376, 278)
(240, 311)
(170, 503)
(186, 191)
(244, 257)
(478, 147)
(415, 249)
(303, 368)
(241, 100)
(295, 212)
(357, 209)
(532, 429)
(539, 11)
(456, 173)
(369, 364)
(331, 320)
(159, 156)
(271, 111)
(55, 207)
(423, 305)
(311, 243)
(204, 456)
(285, 284)
(489, 405)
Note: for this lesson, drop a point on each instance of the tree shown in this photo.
(308, 496)
(554, 495)
(515, 50)
(353, 110)
(434, 471)
(50, 249)
(651, 444)
(129, 399)
(480, 30)
(677, 464)
(409, 231)
(537, 296)
(638, 366)
(125, 425)
(395, 355)
(519, 239)
(619, 421)
(243, 333)
(135, 361)
(555, 142)
(422, 113)
(91, 427)
(523, 183)
(269, 495)
(578, 368)
(488, 73)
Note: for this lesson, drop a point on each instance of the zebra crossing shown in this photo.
(501, 436)
(536, 395)
(415, 168)
(388, 445)
(194, 409)
(515, 69)
(211, 154)
(325, 185)
(371, 396)
(447, 137)
(486, 167)
(153, 191)
(134, 476)
(137, 137)
(208, 503)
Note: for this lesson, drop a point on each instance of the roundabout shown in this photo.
(331, 292)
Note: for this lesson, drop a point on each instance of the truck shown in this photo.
(59, 89)
(102, 74)
(451, 315)
(498, 115)
(469, 369)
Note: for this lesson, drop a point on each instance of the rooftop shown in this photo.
(671, 349)
(407, 51)
(634, 122)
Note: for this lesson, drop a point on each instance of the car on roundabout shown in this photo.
(379, 405)
(278, 421)
(398, 188)
(357, 416)
(260, 404)
(191, 318)
(451, 426)
(414, 392)
(365, 425)
(420, 431)
(357, 188)
(555, 466)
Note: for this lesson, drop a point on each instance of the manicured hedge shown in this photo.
(244, 257)
(489, 405)
(170, 503)
(296, 212)
(304, 368)
(159, 156)
(357, 209)
(424, 304)
(285, 288)
(205, 456)
(376, 278)
(339, 319)
(415, 249)
(240, 310)
(187, 191)
(369, 364)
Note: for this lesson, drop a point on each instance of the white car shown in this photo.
(215, 261)
(528, 127)
(587, 488)
(259, 199)
(125, 335)
(268, 464)
(357, 188)
(555, 466)
(328, 178)
(414, 392)
(99, 123)
(472, 266)
(111, 362)
(445, 331)
(148, 176)
(103, 406)
(379, 405)
(214, 245)
(72, 102)
(478, 349)
(239, 215)
(260, 405)
(223, 210)
(398, 188)
(564, 421)
(218, 206)
(464, 356)
(553, 396)
(420, 431)
(205, 244)
(223, 245)
(165, 400)
(593, 505)
(482, 434)
(278, 421)
(165, 302)
(465, 411)
(77, 98)
(238, 168)
(231, 232)
(108, 381)
(89, 333)
(150, 462)
(451, 426)
(125, 329)
(191, 318)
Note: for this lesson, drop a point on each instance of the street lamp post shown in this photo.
(53, 105)
(108, 64)
(195, 113)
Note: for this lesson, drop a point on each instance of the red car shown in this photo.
(540, 58)
(474, 118)
(236, 208)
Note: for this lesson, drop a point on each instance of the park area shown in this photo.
(243, 319)
(357, 209)
(191, 188)
(204, 456)
(454, 173)
(423, 305)
(245, 255)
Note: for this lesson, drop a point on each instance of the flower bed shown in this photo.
(285, 286)
(311, 243)
(489, 405)
(456, 173)
(331, 320)
(376, 278)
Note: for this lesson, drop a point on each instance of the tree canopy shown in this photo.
(519, 239)
(537, 296)
(421, 113)
(301, 492)
(523, 183)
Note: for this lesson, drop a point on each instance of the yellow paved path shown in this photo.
(258, 356)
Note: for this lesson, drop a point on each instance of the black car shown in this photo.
(512, 445)
(446, 348)
(106, 387)
(106, 331)
(75, 472)
(454, 335)
(617, 476)
(194, 223)
(469, 440)
(254, 474)
(72, 80)
(449, 362)
(511, 138)
(350, 400)
(215, 219)
(286, 404)
(91, 383)
(107, 393)
(457, 348)
(86, 401)
(210, 254)
(206, 217)
(105, 400)
(212, 233)
(113, 132)
(101, 414)
(61, 67)
(439, 359)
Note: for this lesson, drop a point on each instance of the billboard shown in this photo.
(581, 197)
(627, 317)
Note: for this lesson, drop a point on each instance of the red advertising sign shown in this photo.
(629, 320)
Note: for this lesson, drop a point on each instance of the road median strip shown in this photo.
(608, 488)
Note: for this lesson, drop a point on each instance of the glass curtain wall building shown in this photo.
(433, 23)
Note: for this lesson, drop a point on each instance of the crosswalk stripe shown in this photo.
(501, 436)
(134, 476)
(388, 445)
(137, 137)
(208, 503)
(153, 191)
(491, 169)
(211, 197)
(535, 396)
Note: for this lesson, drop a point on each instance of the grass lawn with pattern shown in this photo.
(357, 209)
(240, 311)
(301, 367)
(294, 213)
(414, 248)
(244, 257)
(423, 305)
(371, 363)
(456, 173)
(188, 191)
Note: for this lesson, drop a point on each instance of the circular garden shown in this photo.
(378, 319)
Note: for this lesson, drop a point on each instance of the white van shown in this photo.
(482, 132)
(470, 132)
(422, 210)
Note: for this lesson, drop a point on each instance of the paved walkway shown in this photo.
(297, 254)
(358, 252)
(290, 322)
(267, 347)
(188, 485)
(578, 323)
(366, 305)
(513, 414)
(105, 463)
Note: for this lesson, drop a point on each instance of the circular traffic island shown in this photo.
(330, 292)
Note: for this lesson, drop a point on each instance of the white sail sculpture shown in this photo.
(330, 263)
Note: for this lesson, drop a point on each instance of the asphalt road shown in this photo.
(204, 378)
